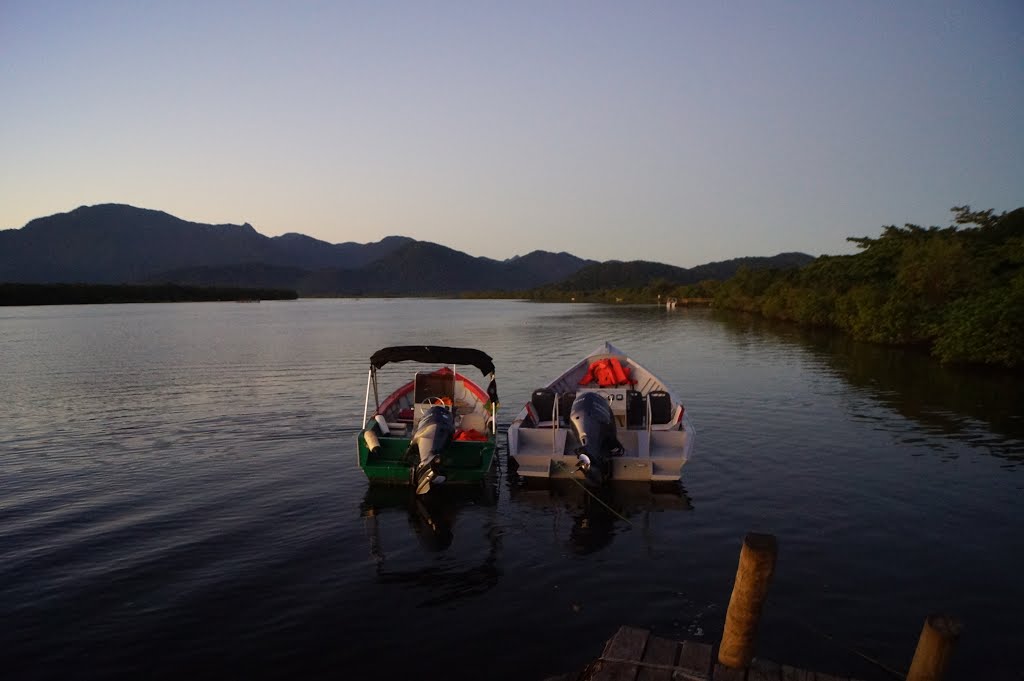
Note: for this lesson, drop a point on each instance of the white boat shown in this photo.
(559, 434)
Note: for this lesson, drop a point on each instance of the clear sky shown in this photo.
(681, 132)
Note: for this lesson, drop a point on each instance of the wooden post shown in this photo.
(757, 563)
(934, 648)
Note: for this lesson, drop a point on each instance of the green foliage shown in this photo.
(986, 328)
(959, 291)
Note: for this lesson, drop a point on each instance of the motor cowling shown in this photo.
(593, 423)
(433, 434)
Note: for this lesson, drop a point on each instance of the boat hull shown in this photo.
(461, 461)
(545, 463)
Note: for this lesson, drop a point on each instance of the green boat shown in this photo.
(440, 427)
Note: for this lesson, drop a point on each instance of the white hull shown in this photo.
(656, 441)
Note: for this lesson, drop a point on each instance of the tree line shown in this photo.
(82, 294)
(956, 291)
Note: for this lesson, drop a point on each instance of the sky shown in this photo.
(682, 132)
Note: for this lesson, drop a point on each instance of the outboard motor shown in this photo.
(594, 424)
(432, 435)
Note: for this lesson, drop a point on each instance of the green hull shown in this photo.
(462, 461)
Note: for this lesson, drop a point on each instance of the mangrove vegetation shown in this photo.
(957, 291)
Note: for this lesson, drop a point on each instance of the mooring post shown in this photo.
(934, 648)
(757, 563)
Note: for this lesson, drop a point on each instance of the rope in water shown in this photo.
(594, 496)
(881, 665)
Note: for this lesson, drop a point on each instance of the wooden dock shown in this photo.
(633, 654)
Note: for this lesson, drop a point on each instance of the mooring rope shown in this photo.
(641, 663)
(850, 649)
(594, 496)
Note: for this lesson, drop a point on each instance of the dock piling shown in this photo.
(635, 654)
(939, 634)
(757, 563)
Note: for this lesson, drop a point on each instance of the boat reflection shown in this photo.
(597, 516)
(432, 519)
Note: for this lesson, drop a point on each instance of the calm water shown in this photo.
(179, 496)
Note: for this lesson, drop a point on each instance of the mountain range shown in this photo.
(115, 243)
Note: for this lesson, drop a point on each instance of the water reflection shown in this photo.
(976, 406)
(432, 518)
(598, 516)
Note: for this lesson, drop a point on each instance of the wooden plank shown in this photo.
(794, 674)
(764, 670)
(723, 673)
(626, 645)
(787, 673)
(694, 661)
(818, 676)
(661, 652)
(614, 671)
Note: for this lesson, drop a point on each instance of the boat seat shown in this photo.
(565, 401)
(473, 421)
(636, 409)
(431, 385)
(659, 407)
(544, 402)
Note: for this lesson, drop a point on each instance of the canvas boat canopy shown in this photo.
(433, 354)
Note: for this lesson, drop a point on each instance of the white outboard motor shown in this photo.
(433, 433)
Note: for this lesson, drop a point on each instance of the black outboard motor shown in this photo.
(592, 419)
(433, 433)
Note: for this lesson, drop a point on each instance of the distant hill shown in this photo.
(299, 250)
(110, 244)
(414, 268)
(543, 265)
(615, 274)
(251, 275)
(115, 243)
(725, 269)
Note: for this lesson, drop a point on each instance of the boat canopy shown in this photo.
(435, 354)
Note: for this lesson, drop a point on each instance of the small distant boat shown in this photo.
(605, 418)
(438, 427)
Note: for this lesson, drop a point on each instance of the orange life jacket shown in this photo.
(621, 376)
(607, 373)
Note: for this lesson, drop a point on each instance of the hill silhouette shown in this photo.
(121, 244)
(115, 243)
(616, 274)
